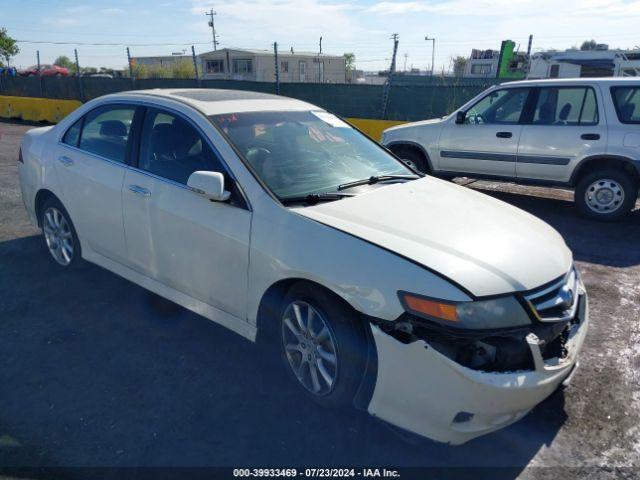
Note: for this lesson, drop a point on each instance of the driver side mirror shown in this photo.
(460, 117)
(209, 185)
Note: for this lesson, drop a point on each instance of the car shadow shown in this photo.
(612, 244)
(96, 377)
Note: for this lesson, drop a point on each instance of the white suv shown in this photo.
(580, 133)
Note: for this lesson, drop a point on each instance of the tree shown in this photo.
(588, 45)
(8, 47)
(64, 61)
(459, 64)
(349, 61)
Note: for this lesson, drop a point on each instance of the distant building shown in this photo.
(482, 64)
(259, 65)
(600, 62)
(162, 61)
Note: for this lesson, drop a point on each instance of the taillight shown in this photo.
(20, 159)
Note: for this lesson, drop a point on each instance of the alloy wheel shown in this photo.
(58, 236)
(310, 347)
(604, 196)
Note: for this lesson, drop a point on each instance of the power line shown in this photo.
(105, 44)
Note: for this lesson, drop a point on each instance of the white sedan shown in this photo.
(438, 309)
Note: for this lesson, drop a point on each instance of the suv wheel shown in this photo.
(59, 234)
(322, 345)
(606, 195)
(413, 159)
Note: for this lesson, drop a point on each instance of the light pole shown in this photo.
(433, 51)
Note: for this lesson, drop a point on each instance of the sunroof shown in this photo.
(215, 95)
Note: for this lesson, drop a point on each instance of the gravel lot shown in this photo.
(90, 376)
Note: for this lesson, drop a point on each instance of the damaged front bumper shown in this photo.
(422, 390)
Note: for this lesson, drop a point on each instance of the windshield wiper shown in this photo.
(314, 198)
(376, 179)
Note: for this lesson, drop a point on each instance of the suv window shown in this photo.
(627, 103)
(171, 148)
(106, 131)
(566, 106)
(499, 107)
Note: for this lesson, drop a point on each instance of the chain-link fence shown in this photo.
(409, 99)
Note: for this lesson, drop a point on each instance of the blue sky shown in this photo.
(362, 27)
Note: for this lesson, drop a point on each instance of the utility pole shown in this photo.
(212, 24)
(433, 51)
(395, 38)
(528, 65)
(320, 69)
(277, 67)
(320, 45)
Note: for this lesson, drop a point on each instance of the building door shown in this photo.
(303, 71)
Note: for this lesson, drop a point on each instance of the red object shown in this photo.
(45, 71)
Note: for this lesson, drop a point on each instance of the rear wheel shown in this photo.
(59, 234)
(322, 345)
(606, 195)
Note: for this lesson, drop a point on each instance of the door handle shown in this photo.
(504, 134)
(138, 190)
(66, 161)
(590, 136)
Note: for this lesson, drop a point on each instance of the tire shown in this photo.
(606, 195)
(338, 334)
(413, 158)
(59, 234)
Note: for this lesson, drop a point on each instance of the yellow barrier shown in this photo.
(53, 110)
(36, 109)
(373, 128)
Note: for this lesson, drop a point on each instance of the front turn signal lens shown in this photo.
(430, 308)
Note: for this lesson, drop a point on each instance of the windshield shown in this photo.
(302, 153)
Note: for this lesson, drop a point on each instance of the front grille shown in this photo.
(555, 302)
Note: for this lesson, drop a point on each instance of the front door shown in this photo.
(487, 142)
(564, 128)
(174, 235)
(90, 164)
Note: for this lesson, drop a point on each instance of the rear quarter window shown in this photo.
(627, 103)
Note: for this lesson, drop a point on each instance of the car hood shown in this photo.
(485, 245)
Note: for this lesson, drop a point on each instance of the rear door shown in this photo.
(90, 163)
(175, 236)
(564, 127)
(487, 142)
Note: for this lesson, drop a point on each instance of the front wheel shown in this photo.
(323, 345)
(606, 195)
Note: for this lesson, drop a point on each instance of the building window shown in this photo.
(481, 69)
(215, 66)
(555, 71)
(242, 66)
(284, 67)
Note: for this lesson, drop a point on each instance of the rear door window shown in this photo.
(627, 103)
(106, 131)
(566, 106)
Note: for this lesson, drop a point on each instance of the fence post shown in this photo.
(130, 68)
(75, 51)
(277, 65)
(39, 73)
(195, 64)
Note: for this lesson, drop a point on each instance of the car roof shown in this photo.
(575, 81)
(215, 101)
